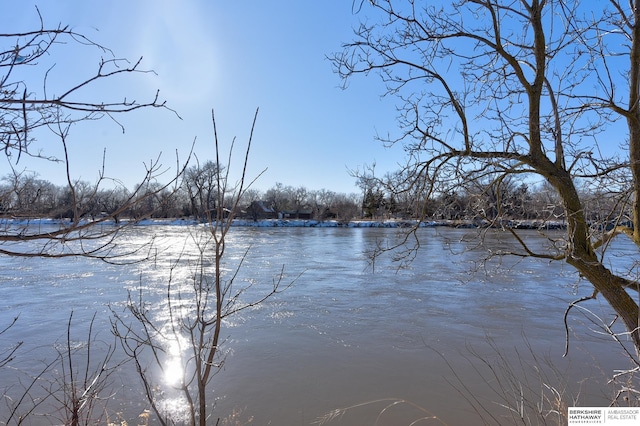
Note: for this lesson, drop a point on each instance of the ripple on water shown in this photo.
(343, 333)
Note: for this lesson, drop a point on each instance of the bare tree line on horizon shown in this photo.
(26, 195)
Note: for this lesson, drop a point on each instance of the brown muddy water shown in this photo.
(447, 338)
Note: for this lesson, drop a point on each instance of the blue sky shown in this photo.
(232, 57)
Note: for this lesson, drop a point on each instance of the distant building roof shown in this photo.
(263, 207)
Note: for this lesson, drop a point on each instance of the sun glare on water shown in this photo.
(174, 368)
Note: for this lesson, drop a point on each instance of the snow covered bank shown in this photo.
(299, 223)
(267, 223)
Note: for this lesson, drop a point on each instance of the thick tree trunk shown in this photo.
(612, 289)
(581, 255)
(634, 160)
(633, 120)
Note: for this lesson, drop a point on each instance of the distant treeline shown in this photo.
(26, 195)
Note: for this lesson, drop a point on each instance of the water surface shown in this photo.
(347, 332)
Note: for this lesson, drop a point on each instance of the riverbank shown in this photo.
(302, 223)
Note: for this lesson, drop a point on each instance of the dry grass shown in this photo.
(424, 416)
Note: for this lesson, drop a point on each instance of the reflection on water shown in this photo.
(173, 368)
(343, 335)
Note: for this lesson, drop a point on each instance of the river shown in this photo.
(446, 335)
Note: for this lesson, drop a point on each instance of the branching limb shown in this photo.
(609, 235)
(7, 356)
(528, 251)
(566, 314)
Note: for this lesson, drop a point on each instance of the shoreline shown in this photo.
(299, 223)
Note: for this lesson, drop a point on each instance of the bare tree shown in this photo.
(25, 194)
(72, 389)
(110, 200)
(189, 333)
(518, 87)
(346, 206)
(200, 182)
(298, 199)
(7, 354)
(83, 387)
(277, 198)
(30, 107)
(250, 201)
